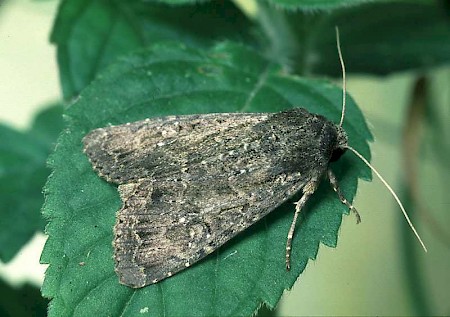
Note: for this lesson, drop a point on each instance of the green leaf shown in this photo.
(47, 125)
(23, 173)
(312, 5)
(294, 4)
(181, 2)
(246, 272)
(22, 302)
(378, 38)
(91, 34)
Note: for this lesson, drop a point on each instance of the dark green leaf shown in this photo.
(21, 301)
(378, 38)
(294, 4)
(47, 125)
(247, 271)
(91, 34)
(312, 5)
(181, 2)
(23, 173)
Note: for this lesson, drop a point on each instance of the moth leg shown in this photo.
(308, 190)
(335, 185)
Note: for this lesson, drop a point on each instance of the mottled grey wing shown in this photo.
(190, 183)
(166, 226)
(156, 147)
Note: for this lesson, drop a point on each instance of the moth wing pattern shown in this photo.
(174, 233)
(191, 183)
(113, 150)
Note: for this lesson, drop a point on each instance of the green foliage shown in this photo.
(23, 174)
(22, 301)
(91, 34)
(377, 38)
(311, 5)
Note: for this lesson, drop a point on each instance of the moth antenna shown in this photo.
(344, 85)
(393, 194)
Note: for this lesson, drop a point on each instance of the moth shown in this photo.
(191, 183)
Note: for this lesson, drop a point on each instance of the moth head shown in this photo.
(341, 144)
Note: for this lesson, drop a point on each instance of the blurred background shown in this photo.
(378, 267)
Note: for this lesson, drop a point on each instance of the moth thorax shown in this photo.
(341, 144)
